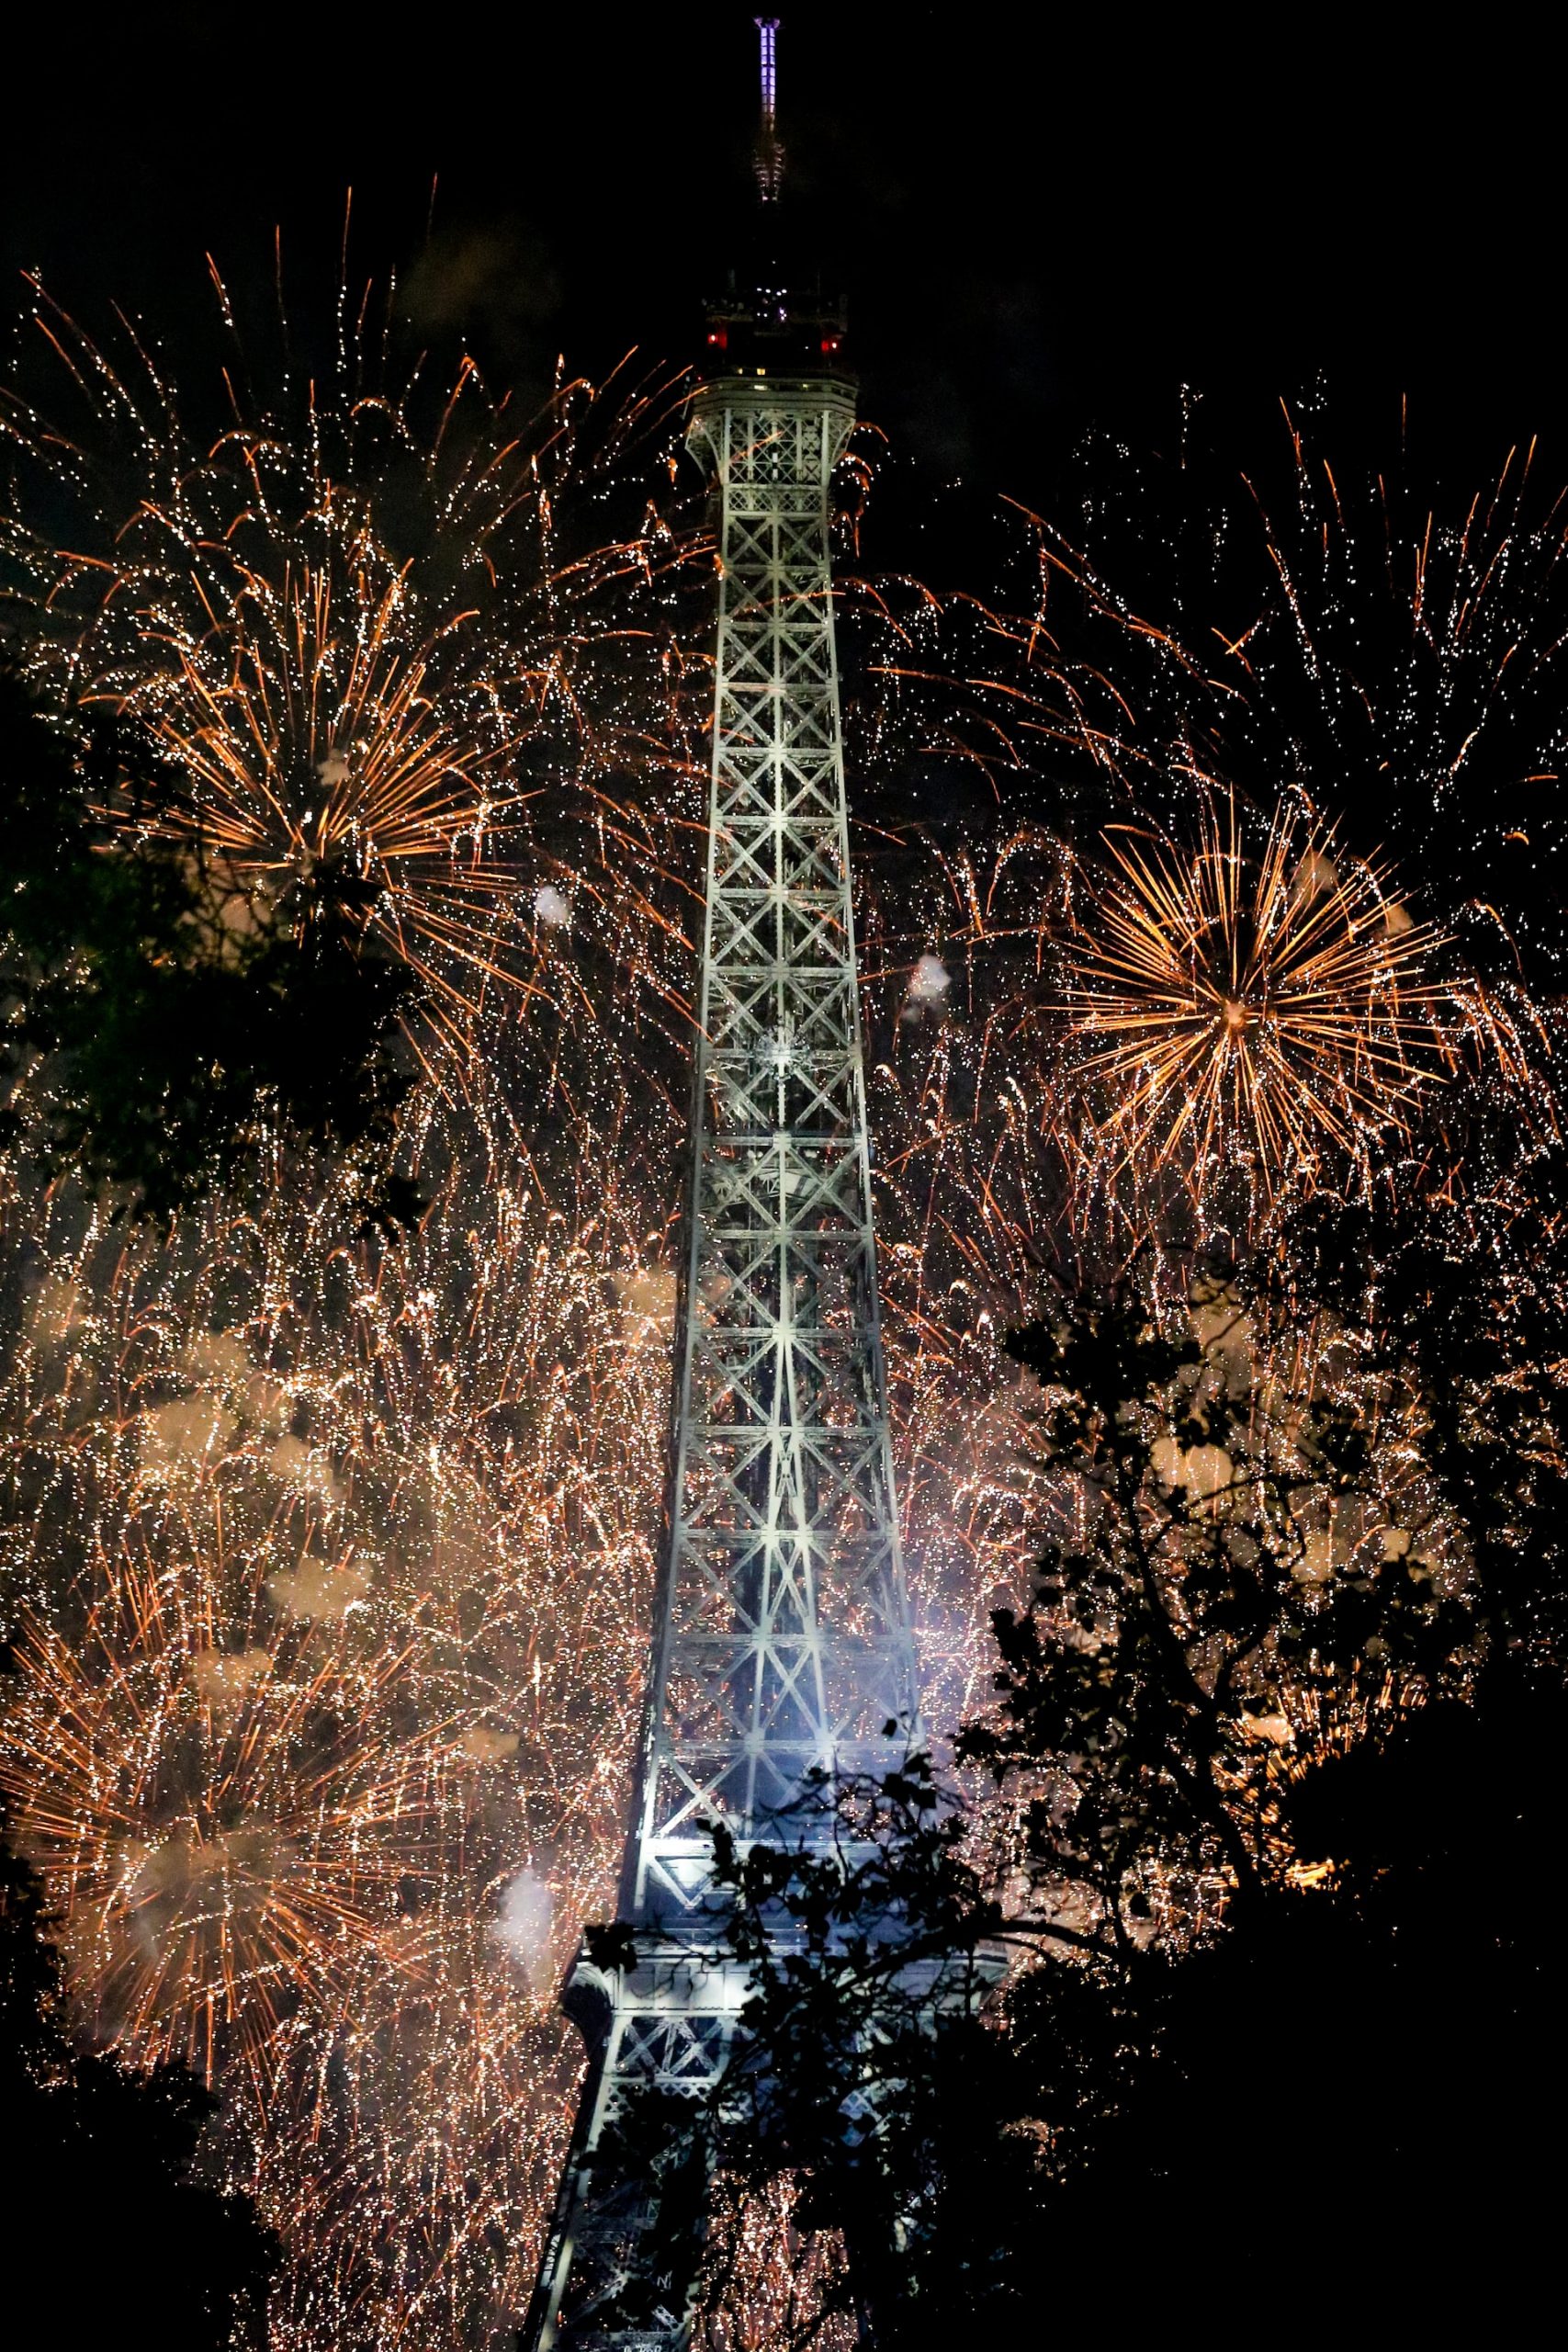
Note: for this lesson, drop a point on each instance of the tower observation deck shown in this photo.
(781, 1639)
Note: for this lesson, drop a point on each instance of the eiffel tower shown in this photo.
(782, 1637)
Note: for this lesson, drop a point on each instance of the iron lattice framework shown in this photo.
(782, 1640)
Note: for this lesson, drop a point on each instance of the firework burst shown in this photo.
(312, 754)
(399, 650)
(1270, 1003)
(334, 1555)
(336, 1549)
(225, 1829)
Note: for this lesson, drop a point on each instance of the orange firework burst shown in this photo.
(1262, 1006)
(221, 1821)
(391, 645)
(310, 735)
(335, 1555)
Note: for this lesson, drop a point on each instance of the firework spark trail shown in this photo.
(1253, 1014)
(433, 1468)
(222, 1825)
(350, 1592)
(1234, 690)
(344, 1542)
(1261, 997)
(449, 724)
(334, 1551)
(1327, 634)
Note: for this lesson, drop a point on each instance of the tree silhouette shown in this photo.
(166, 1030)
(110, 2228)
(1240, 1997)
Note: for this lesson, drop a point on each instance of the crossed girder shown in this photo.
(782, 1640)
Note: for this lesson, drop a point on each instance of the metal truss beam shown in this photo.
(781, 1642)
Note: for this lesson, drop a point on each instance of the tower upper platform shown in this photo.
(773, 318)
(768, 324)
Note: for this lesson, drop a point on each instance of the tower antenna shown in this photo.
(770, 155)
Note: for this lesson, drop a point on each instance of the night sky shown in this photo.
(1042, 218)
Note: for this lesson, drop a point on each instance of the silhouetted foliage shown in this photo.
(170, 1026)
(110, 2227)
(1276, 1752)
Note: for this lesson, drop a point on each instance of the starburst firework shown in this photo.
(391, 644)
(308, 736)
(1267, 1004)
(226, 1828)
(336, 1558)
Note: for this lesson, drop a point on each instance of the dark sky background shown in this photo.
(1041, 218)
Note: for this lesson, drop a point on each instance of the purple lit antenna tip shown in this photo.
(768, 27)
(770, 154)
